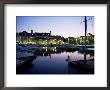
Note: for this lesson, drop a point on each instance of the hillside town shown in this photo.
(47, 38)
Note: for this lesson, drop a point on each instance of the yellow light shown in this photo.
(88, 55)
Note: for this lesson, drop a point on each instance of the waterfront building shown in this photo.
(47, 38)
(89, 39)
(38, 38)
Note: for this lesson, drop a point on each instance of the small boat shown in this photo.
(81, 64)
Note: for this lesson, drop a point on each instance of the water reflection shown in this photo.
(50, 60)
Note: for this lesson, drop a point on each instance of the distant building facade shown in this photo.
(47, 38)
(38, 38)
(89, 39)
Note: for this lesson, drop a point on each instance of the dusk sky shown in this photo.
(67, 26)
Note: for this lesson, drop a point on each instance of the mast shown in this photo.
(85, 38)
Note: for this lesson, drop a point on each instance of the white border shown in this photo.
(100, 77)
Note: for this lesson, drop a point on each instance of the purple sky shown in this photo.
(67, 26)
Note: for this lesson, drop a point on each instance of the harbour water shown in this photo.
(53, 61)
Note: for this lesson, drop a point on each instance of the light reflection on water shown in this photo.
(54, 63)
(50, 60)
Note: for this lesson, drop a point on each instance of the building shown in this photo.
(47, 38)
(71, 40)
(38, 38)
(89, 39)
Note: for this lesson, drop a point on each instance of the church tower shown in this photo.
(50, 32)
(31, 31)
